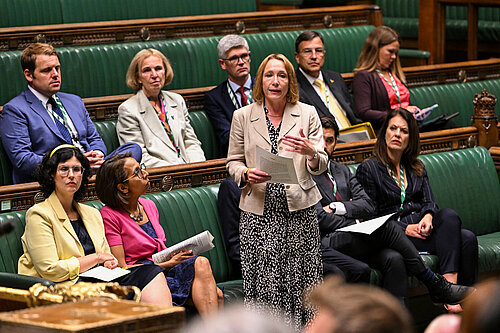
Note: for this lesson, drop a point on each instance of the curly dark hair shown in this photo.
(110, 174)
(410, 154)
(48, 167)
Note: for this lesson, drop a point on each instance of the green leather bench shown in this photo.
(198, 119)
(454, 97)
(183, 213)
(99, 70)
(402, 16)
(42, 12)
(465, 180)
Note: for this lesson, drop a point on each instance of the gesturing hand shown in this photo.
(300, 144)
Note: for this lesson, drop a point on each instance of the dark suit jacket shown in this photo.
(386, 194)
(28, 131)
(357, 203)
(337, 86)
(220, 109)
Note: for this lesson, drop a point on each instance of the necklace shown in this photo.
(271, 115)
(137, 218)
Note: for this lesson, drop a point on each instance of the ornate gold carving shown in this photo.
(328, 21)
(38, 197)
(40, 295)
(462, 76)
(40, 38)
(240, 27)
(484, 104)
(144, 34)
(167, 183)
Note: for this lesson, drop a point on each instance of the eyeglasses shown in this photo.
(309, 52)
(64, 170)
(245, 57)
(139, 173)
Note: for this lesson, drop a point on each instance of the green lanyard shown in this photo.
(235, 101)
(334, 184)
(392, 84)
(402, 180)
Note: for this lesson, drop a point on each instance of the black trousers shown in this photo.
(338, 263)
(228, 201)
(387, 249)
(455, 247)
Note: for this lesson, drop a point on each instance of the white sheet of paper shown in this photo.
(367, 227)
(281, 169)
(105, 274)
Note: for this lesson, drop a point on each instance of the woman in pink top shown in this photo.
(134, 234)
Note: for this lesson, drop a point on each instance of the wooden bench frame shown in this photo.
(106, 32)
(106, 107)
(22, 196)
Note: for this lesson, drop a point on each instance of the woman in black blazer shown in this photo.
(396, 181)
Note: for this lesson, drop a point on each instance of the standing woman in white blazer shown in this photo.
(155, 119)
(279, 233)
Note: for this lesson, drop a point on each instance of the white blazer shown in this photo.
(138, 122)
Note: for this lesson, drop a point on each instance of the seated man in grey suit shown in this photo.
(321, 88)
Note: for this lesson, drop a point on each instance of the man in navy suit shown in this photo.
(41, 118)
(310, 55)
(235, 92)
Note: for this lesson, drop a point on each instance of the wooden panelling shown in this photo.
(23, 196)
(189, 26)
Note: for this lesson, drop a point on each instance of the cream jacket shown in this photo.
(138, 122)
(249, 129)
(51, 246)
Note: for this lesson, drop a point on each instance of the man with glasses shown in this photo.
(323, 89)
(42, 117)
(220, 104)
(235, 92)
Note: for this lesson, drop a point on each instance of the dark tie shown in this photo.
(60, 126)
(338, 197)
(244, 98)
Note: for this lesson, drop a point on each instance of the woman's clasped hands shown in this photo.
(107, 260)
(421, 230)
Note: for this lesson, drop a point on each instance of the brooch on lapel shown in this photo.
(331, 80)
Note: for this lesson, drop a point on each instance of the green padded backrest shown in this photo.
(198, 119)
(107, 131)
(5, 168)
(410, 9)
(205, 133)
(10, 245)
(30, 12)
(398, 8)
(75, 11)
(187, 212)
(99, 70)
(402, 15)
(454, 97)
(466, 180)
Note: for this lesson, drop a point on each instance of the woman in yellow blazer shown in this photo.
(63, 238)
(279, 233)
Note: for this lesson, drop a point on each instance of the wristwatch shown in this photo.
(314, 157)
(332, 207)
